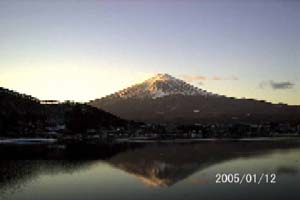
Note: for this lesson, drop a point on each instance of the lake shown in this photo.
(156, 170)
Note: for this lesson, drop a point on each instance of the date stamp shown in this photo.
(247, 178)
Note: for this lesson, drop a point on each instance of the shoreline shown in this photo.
(41, 141)
(212, 139)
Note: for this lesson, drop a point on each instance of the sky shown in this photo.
(85, 49)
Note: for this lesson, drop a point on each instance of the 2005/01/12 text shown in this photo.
(237, 178)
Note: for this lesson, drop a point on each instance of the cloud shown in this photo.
(194, 78)
(282, 85)
(205, 78)
(216, 78)
(230, 78)
(277, 85)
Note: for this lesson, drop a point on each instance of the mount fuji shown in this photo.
(166, 99)
(159, 86)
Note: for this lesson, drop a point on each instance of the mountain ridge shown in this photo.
(24, 115)
(164, 98)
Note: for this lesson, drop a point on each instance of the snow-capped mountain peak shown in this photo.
(166, 99)
(159, 86)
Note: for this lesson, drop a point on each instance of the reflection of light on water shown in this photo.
(188, 161)
(199, 181)
(154, 181)
(281, 162)
(152, 178)
(17, 175)
(182, 169)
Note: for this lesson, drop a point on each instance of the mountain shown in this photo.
(19, 112)
(159, 86)
(165, 99)
(24, 115)
(79, 118)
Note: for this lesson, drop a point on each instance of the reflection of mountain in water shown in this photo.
(157, 164)
(166, 164)
(162, 165)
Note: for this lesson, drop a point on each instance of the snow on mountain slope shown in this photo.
(159, 86)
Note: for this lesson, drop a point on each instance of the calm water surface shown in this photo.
(154, 171)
